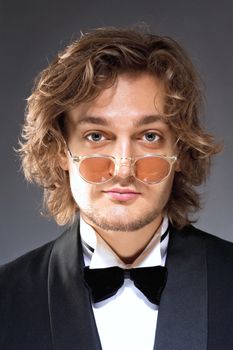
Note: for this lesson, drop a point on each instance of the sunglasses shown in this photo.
(101, 168)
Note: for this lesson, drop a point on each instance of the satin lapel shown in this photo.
(72, 321)
(182, 317)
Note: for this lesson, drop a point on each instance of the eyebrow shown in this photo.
(148, 120)
(104, 122)
(92, 120)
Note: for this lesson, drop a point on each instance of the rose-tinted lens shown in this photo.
(151, 169)
(97, 169)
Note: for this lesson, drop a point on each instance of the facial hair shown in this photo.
(107, 223)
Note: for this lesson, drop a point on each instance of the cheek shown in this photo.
(80, 189)
(163, 190)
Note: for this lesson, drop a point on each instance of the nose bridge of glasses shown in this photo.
(123, 166)
(125, 161)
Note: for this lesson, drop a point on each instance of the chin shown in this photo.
(120, 218)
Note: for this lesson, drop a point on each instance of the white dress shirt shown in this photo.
(127, 320)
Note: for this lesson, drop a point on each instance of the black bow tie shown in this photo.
(104, 283)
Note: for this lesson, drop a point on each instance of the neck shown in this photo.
(129, 245)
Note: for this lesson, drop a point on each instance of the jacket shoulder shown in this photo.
(30, 262)
(218, 249)
(192, 231)
(27, 272)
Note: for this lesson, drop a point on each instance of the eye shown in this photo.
(151, 137)
(95, 137)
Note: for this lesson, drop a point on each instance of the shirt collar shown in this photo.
(98, 254)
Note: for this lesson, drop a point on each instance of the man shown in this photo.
(113, 135)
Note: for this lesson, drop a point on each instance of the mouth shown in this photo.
(122, 194)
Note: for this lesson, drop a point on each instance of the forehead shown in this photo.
(130, 100)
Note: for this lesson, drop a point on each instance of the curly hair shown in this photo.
(79, 74)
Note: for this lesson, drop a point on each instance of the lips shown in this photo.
(122, 194)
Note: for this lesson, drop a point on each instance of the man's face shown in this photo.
(123, 121)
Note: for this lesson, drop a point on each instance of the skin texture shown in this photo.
(123, 121)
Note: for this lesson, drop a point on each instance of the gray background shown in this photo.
(31, 33)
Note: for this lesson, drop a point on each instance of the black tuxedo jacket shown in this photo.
(44, 304)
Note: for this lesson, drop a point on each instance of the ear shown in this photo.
(63, 161)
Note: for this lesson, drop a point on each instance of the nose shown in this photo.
(123, 167)
(123, 154)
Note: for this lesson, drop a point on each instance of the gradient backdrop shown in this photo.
(31, 33)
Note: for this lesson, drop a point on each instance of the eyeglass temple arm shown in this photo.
(74, 158)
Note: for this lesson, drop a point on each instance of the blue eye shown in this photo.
(151, 137)
(95, 137)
